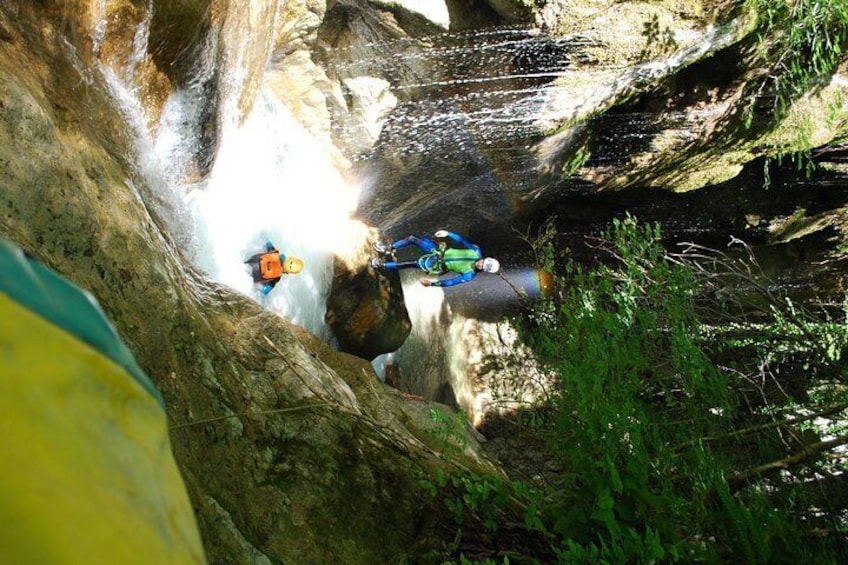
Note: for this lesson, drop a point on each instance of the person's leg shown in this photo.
(398, 265)
(423, 243)
(256, 271)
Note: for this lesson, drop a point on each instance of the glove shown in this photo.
(441, 233)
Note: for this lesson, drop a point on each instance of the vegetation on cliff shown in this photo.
(694, 414)
(801, 44)
(799, 49)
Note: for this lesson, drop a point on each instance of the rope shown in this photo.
(432, 263)
(522, 294)
(252, 413)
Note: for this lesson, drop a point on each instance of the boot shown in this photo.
(382, 248)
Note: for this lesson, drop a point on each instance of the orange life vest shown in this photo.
(270, 266)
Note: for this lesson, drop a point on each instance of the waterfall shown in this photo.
(456, 335)
(273, 182)
(468, 145)
(270, 181)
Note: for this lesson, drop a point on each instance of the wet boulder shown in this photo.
(365, 309)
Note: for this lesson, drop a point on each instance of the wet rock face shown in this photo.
(314, 485)
(177, 29)
(366, 310)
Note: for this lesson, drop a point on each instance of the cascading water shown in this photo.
(480, 100)
(270, 181)
(468, 145)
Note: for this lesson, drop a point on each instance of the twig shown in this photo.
(739, 480)
(762, 427)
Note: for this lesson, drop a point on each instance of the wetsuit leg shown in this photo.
(398, 265)
(253, 261)
(257, 272)
(423, 243)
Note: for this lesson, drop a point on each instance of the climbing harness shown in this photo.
(433, 263)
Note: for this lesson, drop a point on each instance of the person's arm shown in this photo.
(463, 278)
(457, 238)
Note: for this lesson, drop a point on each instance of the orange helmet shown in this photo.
(292, 265)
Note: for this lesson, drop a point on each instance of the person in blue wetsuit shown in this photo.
(438, 259)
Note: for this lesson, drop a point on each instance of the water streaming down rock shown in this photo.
(272, 182)
(255, 190)
(463, 149)
(495, 129)
(436, 164)
(163, 154)
(269, 181)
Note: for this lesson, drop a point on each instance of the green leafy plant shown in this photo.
(800, 45)
(647, 426)
(662, 446)
(449, 431)
(801, 42)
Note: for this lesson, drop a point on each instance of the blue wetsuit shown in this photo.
(439, 259)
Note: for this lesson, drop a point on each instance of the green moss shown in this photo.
(814, 120)
(797, 225)
(714, 169)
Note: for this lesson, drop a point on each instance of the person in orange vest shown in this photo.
(269, 267)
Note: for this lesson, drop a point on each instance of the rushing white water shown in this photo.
(270, 181)
(273, 182)
(99, 30)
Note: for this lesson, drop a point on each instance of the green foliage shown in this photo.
(647, 433)
(791, 331)
(576, 160)
(742, 534)
(449, 431)
(483, 496)
(802, 42)
(658, 40)
(631, 380)
(635, 381)
(485, 500)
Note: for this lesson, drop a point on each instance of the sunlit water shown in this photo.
(491, 95)
(498, 93)
(270, 181)
(492, 83)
